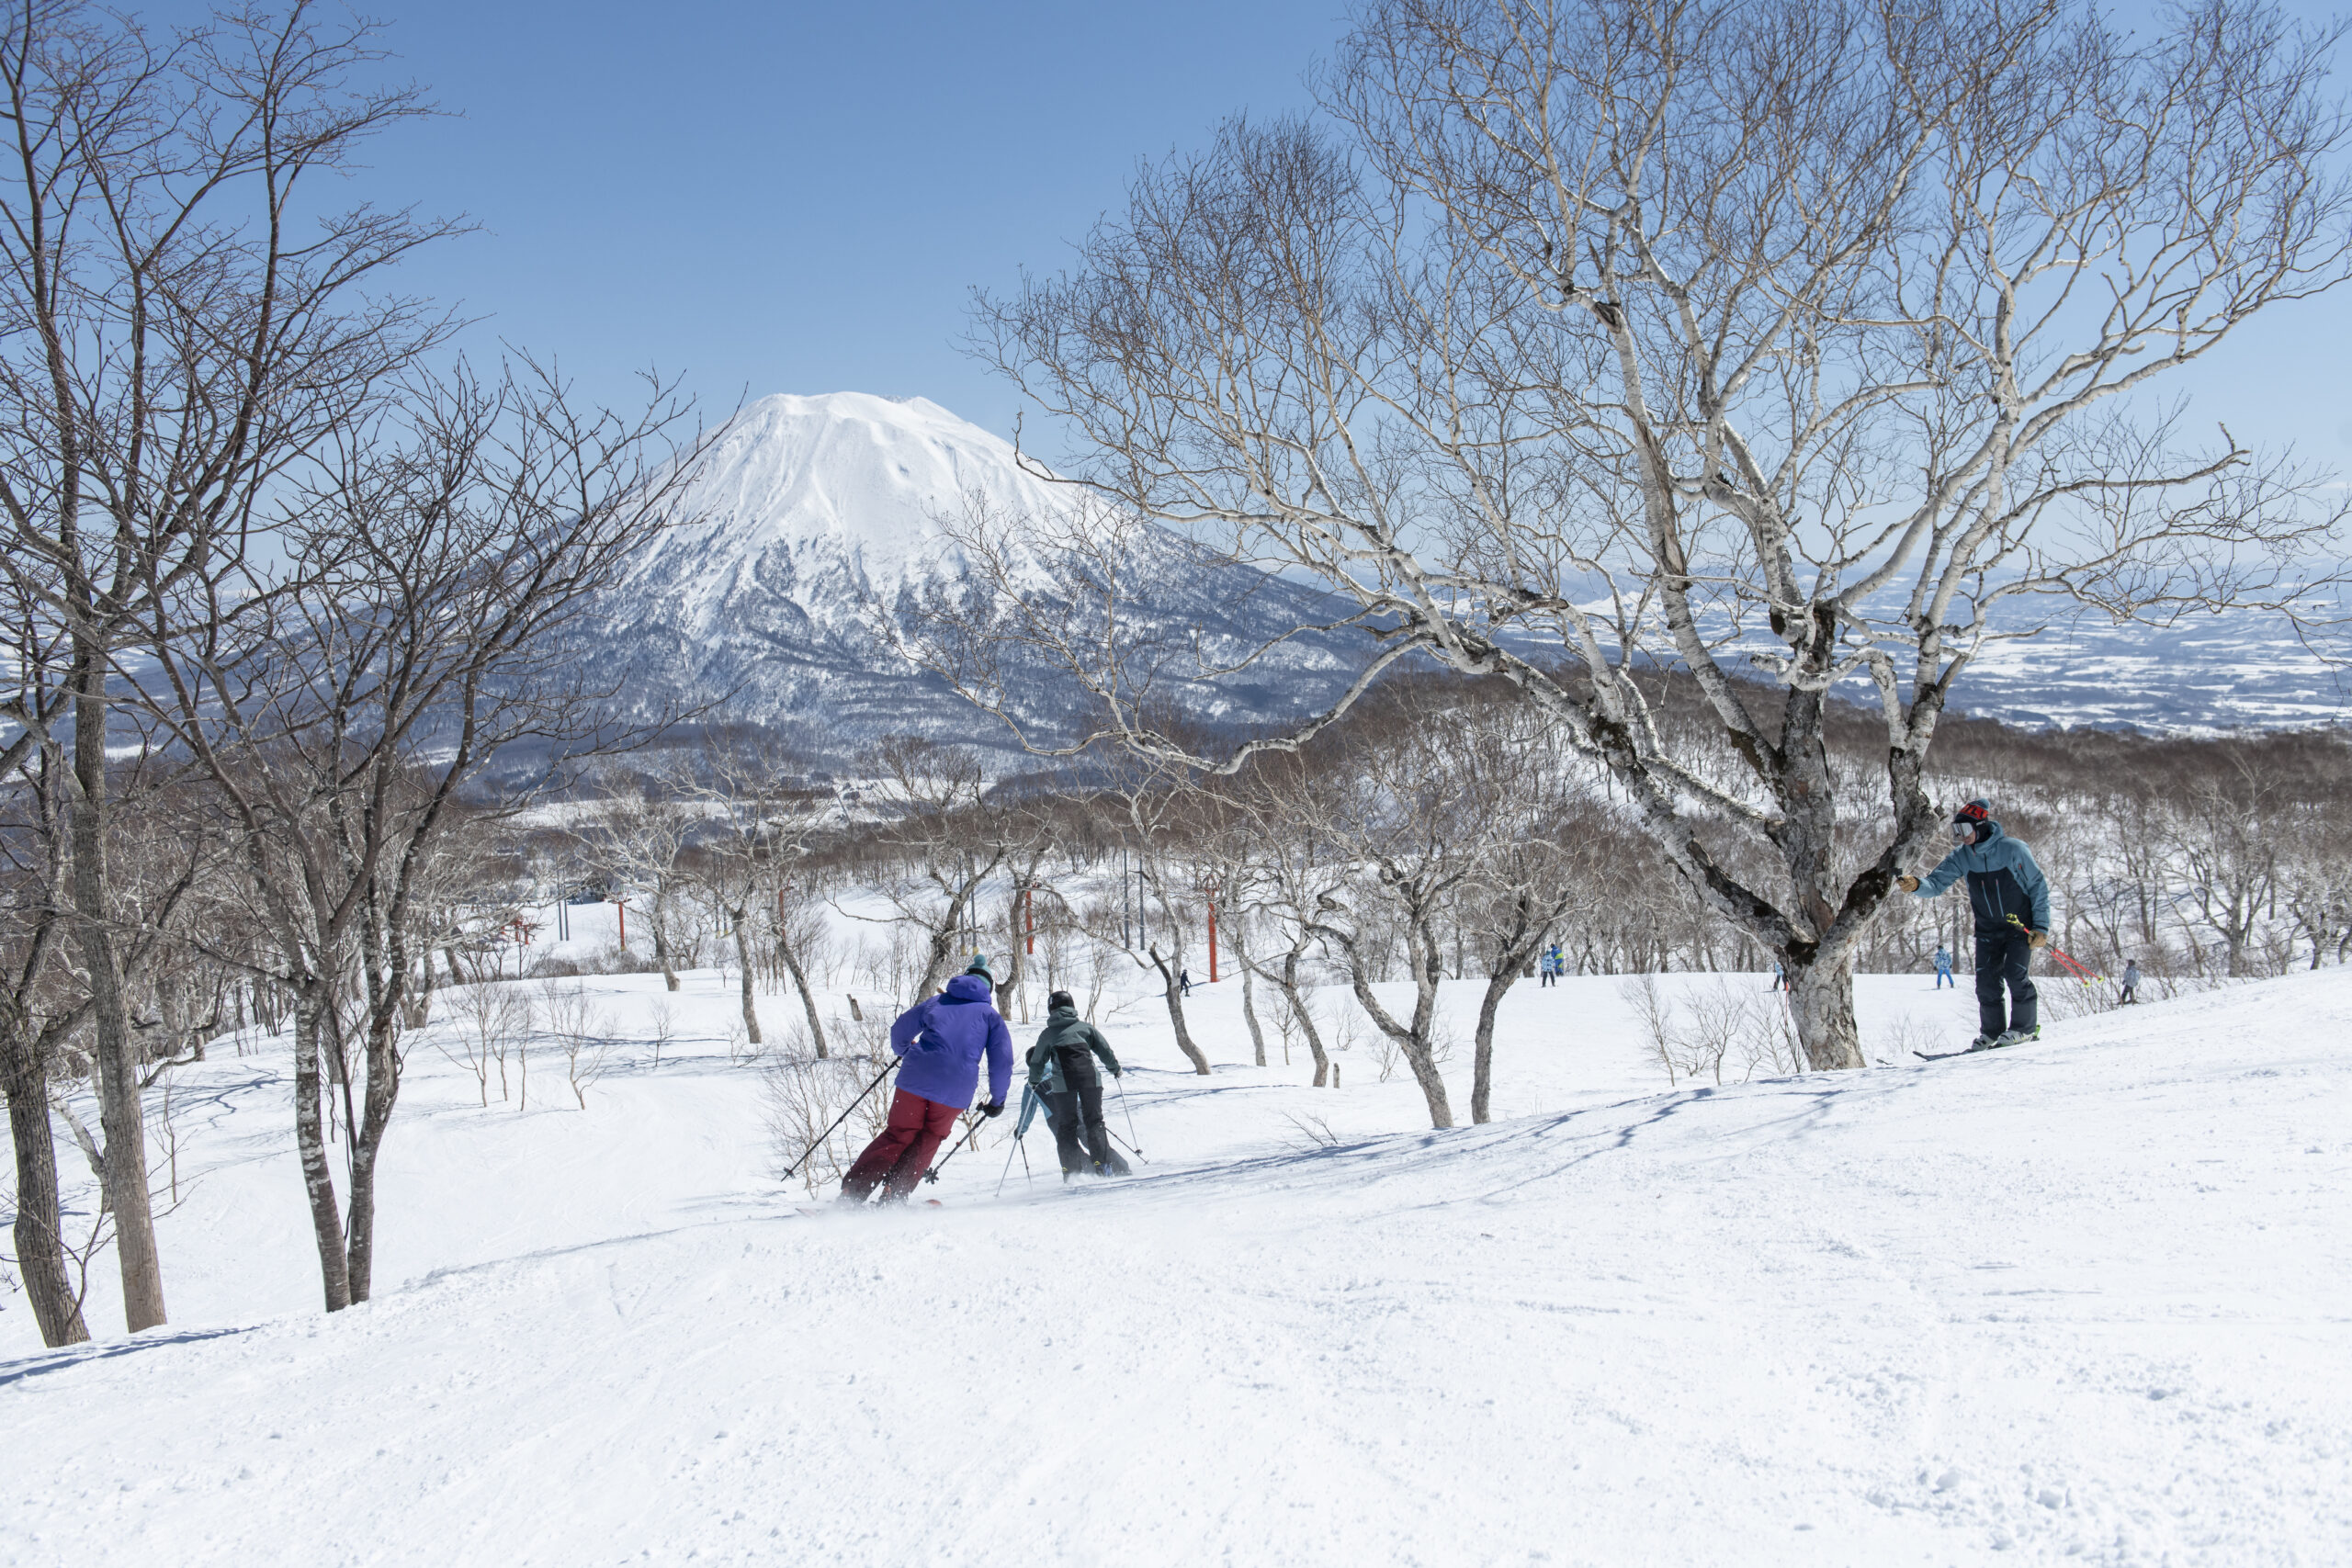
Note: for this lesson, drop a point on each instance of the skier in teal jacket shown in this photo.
(2012, 902)
(1062, 1071)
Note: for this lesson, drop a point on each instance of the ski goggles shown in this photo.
(1963, 832)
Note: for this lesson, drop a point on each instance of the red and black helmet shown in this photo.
(1974, 811)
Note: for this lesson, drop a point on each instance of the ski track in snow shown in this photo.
(2079, 1300)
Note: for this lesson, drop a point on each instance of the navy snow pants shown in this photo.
(2001, 959)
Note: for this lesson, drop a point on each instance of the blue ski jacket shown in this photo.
(2002, 880)
(940, 1041)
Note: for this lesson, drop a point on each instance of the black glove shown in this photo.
(993, 1108)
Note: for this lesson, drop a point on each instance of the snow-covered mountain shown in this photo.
(810, 508)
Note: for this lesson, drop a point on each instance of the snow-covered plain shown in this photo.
(2085, 1301)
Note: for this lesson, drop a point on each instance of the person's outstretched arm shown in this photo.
(1949, 870)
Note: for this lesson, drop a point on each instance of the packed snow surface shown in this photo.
(2084, 1301)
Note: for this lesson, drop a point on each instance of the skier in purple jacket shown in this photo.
(939, 1042)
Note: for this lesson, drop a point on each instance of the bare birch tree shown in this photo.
(948, 838)
(178, 336)
(1802, 348)
(419, 628)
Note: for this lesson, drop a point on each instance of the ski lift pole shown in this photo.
(820, 1142)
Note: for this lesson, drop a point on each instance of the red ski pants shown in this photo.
(896, 1159)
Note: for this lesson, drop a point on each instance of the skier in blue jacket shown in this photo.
(2011, 903)
(939, 1040)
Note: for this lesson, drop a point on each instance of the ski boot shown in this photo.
(2020, 1036)
(1987, 1041)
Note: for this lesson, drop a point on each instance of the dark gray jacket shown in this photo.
(1060, 1061)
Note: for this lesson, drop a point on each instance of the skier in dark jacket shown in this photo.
(2011, 903)
(939, 1040)
(1061, 1069)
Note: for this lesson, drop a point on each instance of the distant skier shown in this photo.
(939, 1040)
(1780, 976)
(2011, 903)
(1184, 981)
(2130, 980)
(1061, 1069)
(1943, 968)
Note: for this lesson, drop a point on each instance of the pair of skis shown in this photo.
(1964, 1051)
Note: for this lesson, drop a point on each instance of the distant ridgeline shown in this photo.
(812, 508)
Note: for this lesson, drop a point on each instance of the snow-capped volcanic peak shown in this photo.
(846, 485)
(809, 517)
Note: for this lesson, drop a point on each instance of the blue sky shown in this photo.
(798, 197)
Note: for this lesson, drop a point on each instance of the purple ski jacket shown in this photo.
(940, 1040)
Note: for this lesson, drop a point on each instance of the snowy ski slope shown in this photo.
(2089, 1301)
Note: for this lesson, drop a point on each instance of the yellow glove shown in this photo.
(1908, 884)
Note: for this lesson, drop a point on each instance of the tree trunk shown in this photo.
(1016, 964)
(1306, 1018)
(1820, 999)
(743, 970)
(807, 1001)
(120, 1112)
(309, 1142)
(1482, 1071)
(1174, 993)
(40, 1249)
(1248, 1003)
(1413, 1040)
(661, 942)
(383, 1090)
(939, 964)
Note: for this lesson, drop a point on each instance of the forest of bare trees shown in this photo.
(281, 586)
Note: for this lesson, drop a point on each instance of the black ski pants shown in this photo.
(2001, 960)
(1076, 1115)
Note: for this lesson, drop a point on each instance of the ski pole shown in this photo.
(1008, 1168)
(2081, 970)
(932, 1174)
(819, 1143)
(1133, 1148)
(2074, 964)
